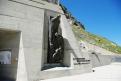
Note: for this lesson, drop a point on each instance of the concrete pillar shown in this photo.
(21, 70)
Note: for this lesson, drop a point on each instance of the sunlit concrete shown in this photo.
(110, 72)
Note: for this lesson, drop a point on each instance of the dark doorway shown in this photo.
(55, 41)
(9, 49)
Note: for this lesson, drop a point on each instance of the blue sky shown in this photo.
(101, 17)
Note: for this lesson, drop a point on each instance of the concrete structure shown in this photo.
(23, 30)
(97, 55)
(98, 59)
(110, 72)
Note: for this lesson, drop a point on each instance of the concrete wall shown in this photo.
(28, 17)
(29, 20)
(100, 56)
(21, 70)
(97, 55)
(71, 46)
(101, 60)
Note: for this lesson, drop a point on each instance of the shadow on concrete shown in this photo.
(6, 79)
(68, 47)
(9, 41)
(49, 66)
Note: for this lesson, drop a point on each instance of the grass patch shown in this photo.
(102, 42)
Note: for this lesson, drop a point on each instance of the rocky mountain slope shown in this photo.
(82, 35)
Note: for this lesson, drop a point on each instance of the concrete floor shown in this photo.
(110, 72)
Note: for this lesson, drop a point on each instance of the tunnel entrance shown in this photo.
(9, 49)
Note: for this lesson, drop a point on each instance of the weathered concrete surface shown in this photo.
(28, 20)
(72, 51)
(99, 56)
(28, 17)
(65, 72)
(21, 71)
(42, 4)
(101, 60)
(110, 72)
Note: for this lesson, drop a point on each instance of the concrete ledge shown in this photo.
(43, 5)
(67, 72)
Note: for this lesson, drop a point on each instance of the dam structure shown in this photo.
(35, 39)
